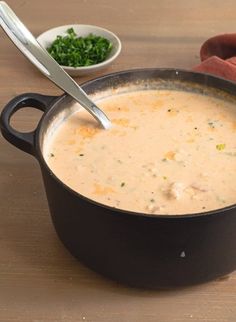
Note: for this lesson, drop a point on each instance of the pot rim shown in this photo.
(164, 217)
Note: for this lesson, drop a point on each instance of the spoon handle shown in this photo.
(28, 45)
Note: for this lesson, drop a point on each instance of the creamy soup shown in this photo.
(168, 152)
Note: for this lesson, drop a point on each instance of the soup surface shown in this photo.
(168, 152)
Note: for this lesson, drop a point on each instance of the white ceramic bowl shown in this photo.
(46, 38)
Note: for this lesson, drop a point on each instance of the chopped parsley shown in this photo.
(211, 124)
(74, 51)
(220, 147)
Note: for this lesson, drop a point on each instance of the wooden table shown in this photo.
(39, 280)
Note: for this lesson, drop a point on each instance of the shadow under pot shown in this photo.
(138, 249)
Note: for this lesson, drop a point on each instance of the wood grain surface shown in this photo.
(39, 280)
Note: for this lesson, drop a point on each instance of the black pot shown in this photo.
(137, 249)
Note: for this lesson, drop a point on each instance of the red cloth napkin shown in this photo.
(218, 56)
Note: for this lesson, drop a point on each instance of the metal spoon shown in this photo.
(28, 45)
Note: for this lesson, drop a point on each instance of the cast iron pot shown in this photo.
(137, 249)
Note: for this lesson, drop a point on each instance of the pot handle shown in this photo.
(23, 141)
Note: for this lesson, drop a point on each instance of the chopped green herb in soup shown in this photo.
(168, 152)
